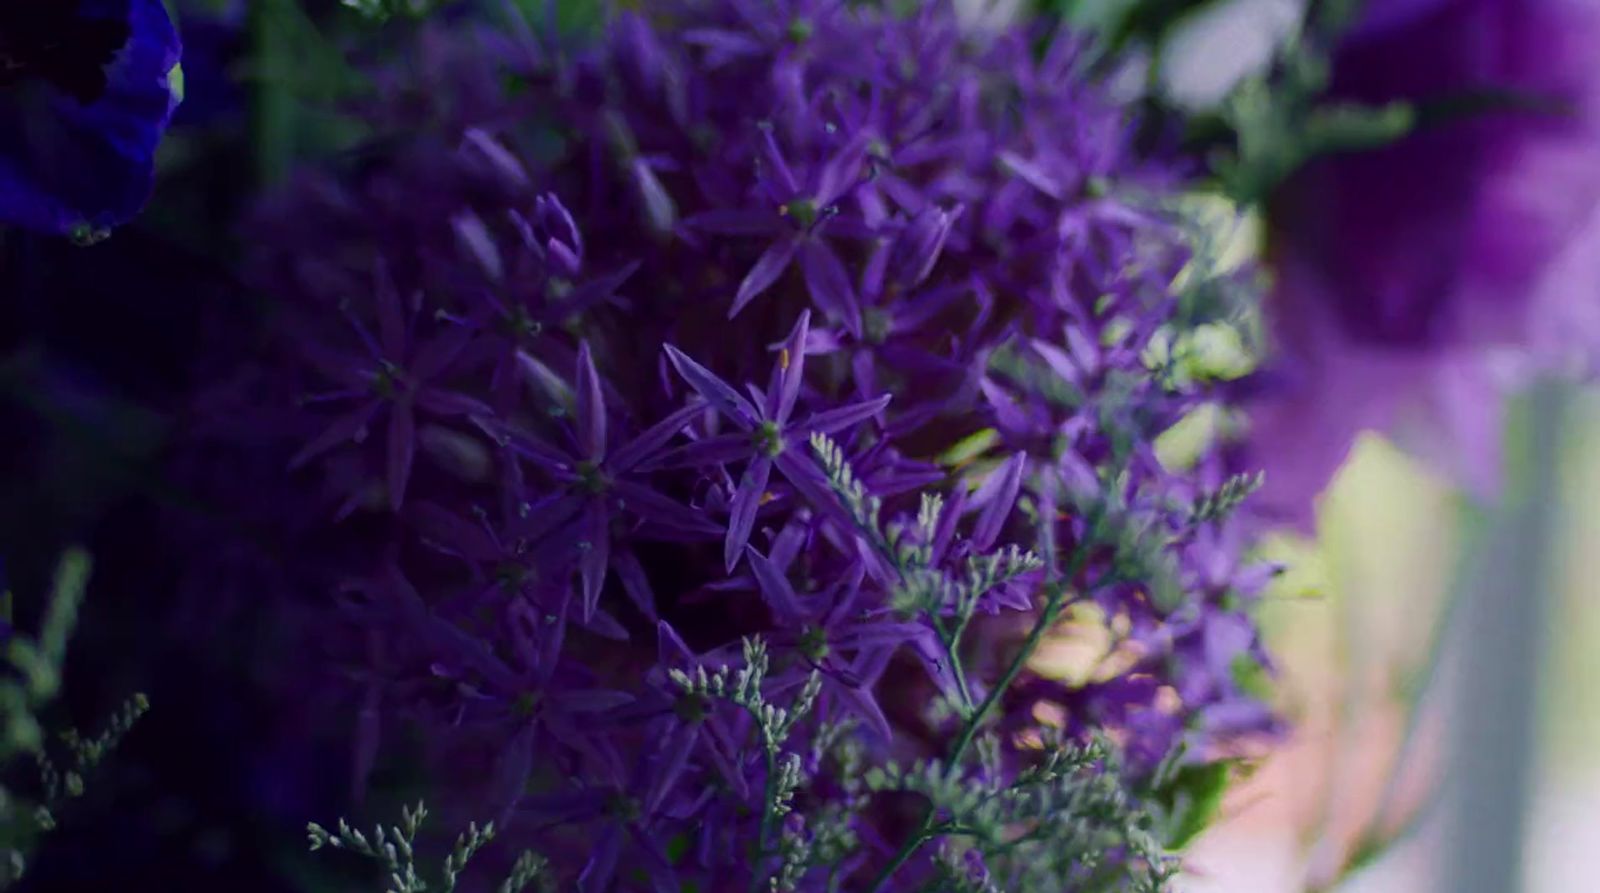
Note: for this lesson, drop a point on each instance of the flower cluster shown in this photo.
(712, 421)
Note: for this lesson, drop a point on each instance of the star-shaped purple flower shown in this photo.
(767, 434)
(596, 485)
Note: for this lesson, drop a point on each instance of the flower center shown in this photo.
(56, 43)
(768, 439)
(525, 704)
(623, 808)
(814, 644)
(876, 324)
(519, 324)
(559, 289)
(386, 380)
(802, 211)
(591, 479)
(510, 575)
(691, 708)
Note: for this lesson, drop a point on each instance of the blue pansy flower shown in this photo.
(86, 90)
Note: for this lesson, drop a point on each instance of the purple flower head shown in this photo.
(832, 632)
(1400, 268)
(595, 483)
(677, 577)
(86, 90)
(765, 433)
(389, 375)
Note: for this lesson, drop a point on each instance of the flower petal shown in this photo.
(859, 699)
(998, 494)
(596, 555)
(648, 505)
(768, 268)
(591, 411)
(775, 590)
(635, 584)
(644, 447)
(742, 517)
(833, 421)
(349, 427)
(735, 222)
(717, 392)
(402, 450)
(81, 165)
(790, 371)
(671, 760)
(829, 283)
(709, 451)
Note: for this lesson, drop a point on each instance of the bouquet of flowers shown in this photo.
(784, 445)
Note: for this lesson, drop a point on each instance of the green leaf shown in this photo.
(1346, 127)
(969, 448)
(1191, 800)
(1251, 677)
(678, 847)
(295, 69)
(1102, 16)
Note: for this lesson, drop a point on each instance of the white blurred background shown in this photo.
(1352, 627)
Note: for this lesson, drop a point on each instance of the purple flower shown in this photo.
(390, 376)
(617, 803)
(86, 90)
(832, 632)
(1400, 269)
(796, 209)
(594, 485)
(946, 218)
(686, 723)
(766, 434)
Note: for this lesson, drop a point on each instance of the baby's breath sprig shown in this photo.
(34, 682)
(395, 848)
(774, 725)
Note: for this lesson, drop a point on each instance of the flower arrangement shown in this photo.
(742, 445)
(712, 466)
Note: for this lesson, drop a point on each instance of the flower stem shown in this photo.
(1056, 598)
(274, 104)
(769, 806)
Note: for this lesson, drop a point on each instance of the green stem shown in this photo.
(769, 805)
(1055, 600)
(949, 643)
(274, 106)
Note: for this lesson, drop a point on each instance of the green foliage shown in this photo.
(1221, 502)
(1279, 123)
(862, 506)
(395, 848)
(1273, 122)
(297, 75)
(1051, 826)
(1121, 22)
(1188, 799)
(31, 681)
(743, 688)
(383, 10)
